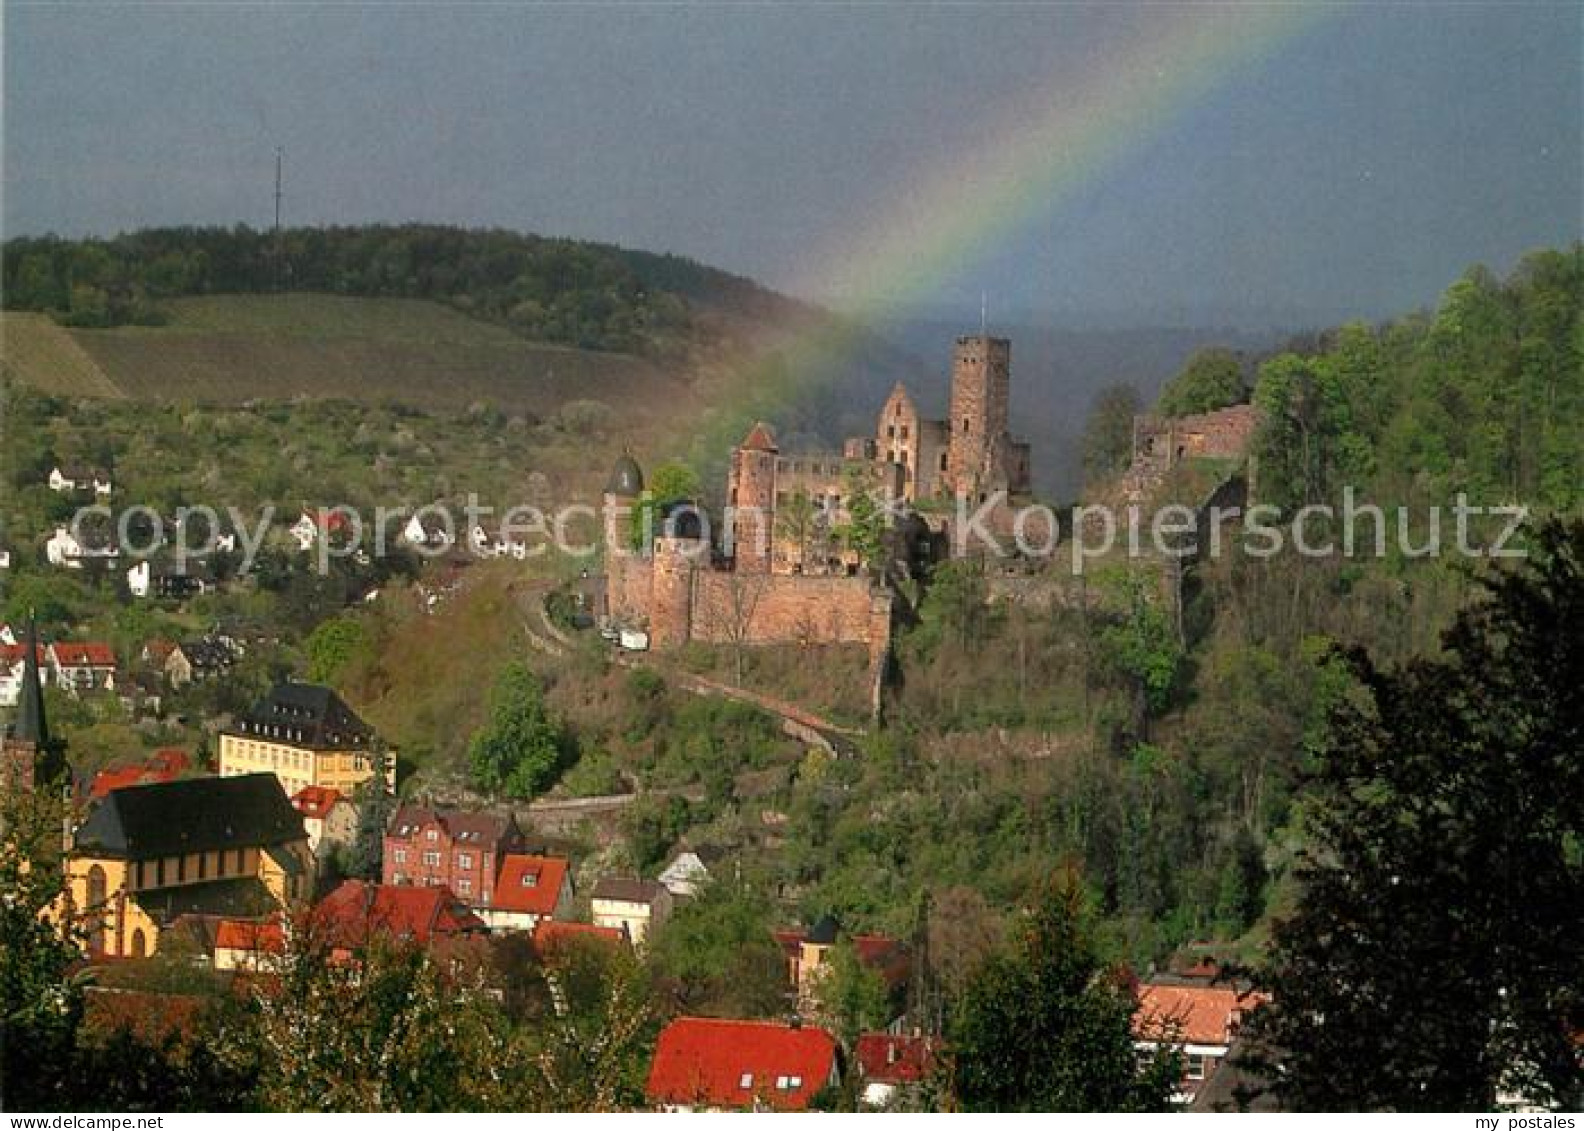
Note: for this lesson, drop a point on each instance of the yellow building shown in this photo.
(149, 854)
(305, 735)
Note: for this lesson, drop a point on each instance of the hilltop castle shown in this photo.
(783, 573)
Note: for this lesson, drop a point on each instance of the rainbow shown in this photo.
(1047, 147)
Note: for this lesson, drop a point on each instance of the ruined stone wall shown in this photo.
(629, 580)
(733, 608)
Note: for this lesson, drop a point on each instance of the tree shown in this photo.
(864, 531)
(1043, 1026)
(1212, 379)
(852, 998)
(716, 954)
(388, 1031)
(1436, 958)
(375, 804)
(334, 645)
(670, 483)
(1108, 432)
(41, 1002)
(521, 749)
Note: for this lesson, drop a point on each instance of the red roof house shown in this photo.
(244, 944)
(888, 1063)
(551, 936)
(354, 912)
(528, 890)
(705, 1062)
(161, 766)
(1203, 1020)
(314, 802)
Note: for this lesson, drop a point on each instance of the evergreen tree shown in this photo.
(1436, 959)
(1043, 1026)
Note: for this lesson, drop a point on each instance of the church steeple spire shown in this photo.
(31, 724)
(31, 728)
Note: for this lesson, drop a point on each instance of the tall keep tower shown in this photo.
(980, 404)
(751, 492)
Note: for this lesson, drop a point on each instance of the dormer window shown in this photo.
(530, 879)
(746, 1082)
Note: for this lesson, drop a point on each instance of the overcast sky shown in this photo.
(1356, 168)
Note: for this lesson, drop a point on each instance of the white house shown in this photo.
(636, 906)
(63, 550)
(687, 872)
(69, 480)
(12, 656)
(427, 529)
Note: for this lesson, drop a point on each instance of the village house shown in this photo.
(892, 1065)
(710, 1064)
(689, 871)
(632, 905)
(554, 936)
(357, 911)
(78, 667)
(29, 755)
(428, 530)
(76, 479)
(317, 522)
(807, 953)
(529, 890)
(248, 944)
(1201, 1018)
(87, 546)
(13, 665)
(160, 766)
(167, 580)
(305, 735)
(148, 854)
(330, 820)
(428, 846)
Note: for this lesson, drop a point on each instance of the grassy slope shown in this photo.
(233, 348)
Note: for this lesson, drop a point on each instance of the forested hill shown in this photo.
(588, 295)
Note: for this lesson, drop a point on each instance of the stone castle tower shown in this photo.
(978, 419)
(751, 495)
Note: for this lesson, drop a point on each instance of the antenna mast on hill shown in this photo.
(984, 312)
(279, 259)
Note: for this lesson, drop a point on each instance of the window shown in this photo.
(399, 856)
(431, 859)
(464, 860)
(795, 1083)
(746, 1081)
(241, 859)
(431, 834)
(464, 887)
(530, 879)
(203, 865)
(1198, 1067)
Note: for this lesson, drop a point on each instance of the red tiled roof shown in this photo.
(890, 1059)
(14, 654)
(1202, 1015)
(530, 885)
(161, 766)
(265, 936)
(706, 1062)
(550, 935)
(91, 653)
(314, 801)
(760, 439)
(355, 910)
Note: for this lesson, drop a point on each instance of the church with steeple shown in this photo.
(30, 756)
